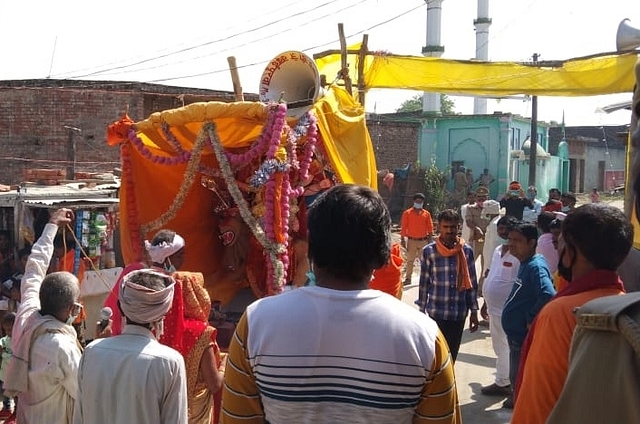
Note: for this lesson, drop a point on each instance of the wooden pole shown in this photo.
(344, 71)
(235, 79)
(533, 138)
(361, 58)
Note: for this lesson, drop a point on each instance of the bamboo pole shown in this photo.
(362, 54)
(235, 79)
(344, 71)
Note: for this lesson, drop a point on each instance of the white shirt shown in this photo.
(360, 344)
(498, 284)
(491, 241)
(548, 250)
(131, 378)
(531, 215)
(54, 357)
(466, 231)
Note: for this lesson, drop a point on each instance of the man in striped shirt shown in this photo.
(448, 283)
(338, 351)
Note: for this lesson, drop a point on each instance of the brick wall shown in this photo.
(34, 113)
(395, 143)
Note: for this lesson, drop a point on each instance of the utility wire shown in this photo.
(230, 48)
(262, 62)
(162, 51)
(208, 43)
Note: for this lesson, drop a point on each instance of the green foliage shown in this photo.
(435, 181)
(414, 104)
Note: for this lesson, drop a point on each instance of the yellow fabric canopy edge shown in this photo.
(341, 123)
(607, 73)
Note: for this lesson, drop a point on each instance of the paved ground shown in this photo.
(474, 368)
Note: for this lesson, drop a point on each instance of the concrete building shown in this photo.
(597, 155)
(497, 142)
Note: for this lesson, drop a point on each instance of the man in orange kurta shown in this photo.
(416, 231)
(595, 239)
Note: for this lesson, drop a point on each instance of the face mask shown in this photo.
(311, 278)
(563, 271)
(417, 205)
(565, 209)
(168, 266)
(503, 241)
(76, 311)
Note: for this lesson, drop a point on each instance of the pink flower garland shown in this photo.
(269, 139)
(163, 160)
(309, 150)
(285, 206)
(166, 130)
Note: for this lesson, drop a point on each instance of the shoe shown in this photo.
(508, 403)
(495, 390)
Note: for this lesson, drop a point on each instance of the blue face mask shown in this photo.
(311, 278)
(417, 205)
(503, 241)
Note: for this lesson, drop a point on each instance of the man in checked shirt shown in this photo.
(448, 283)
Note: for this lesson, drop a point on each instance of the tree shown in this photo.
(447, 106)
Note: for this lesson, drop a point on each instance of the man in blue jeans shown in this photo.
(532, 290)
(448, 283)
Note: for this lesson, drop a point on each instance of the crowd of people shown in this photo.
(545, 262)
(335, 350)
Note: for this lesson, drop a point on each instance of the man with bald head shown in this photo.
(43, 368)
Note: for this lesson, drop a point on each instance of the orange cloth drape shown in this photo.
(389, 278)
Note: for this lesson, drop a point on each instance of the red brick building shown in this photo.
(395, 142)
(61, 124)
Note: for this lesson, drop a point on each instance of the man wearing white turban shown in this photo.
(132, 377)
(166, 254)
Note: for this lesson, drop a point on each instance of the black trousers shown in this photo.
(452, 332)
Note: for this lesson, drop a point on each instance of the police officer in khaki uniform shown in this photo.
(603, 382)
(478, 223)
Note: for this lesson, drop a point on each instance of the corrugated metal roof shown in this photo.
(54, 201)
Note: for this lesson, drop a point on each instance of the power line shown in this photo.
(262, 62)
(161, 51)
(234, 47)
(209, 43)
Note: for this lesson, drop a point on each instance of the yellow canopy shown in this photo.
(608, 73)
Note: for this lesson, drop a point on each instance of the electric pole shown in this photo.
(533, 138)
(71, 151)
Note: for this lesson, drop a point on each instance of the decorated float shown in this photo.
(236, 179)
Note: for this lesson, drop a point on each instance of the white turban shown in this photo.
(490, 207)
(142, 304)
(162, 251)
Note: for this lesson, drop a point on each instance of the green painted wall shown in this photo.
(486, 141)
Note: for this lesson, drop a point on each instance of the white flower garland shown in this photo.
(272, 248)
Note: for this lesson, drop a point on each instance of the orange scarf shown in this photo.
(464, 280)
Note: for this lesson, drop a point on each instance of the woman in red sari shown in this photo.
(187, 330)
